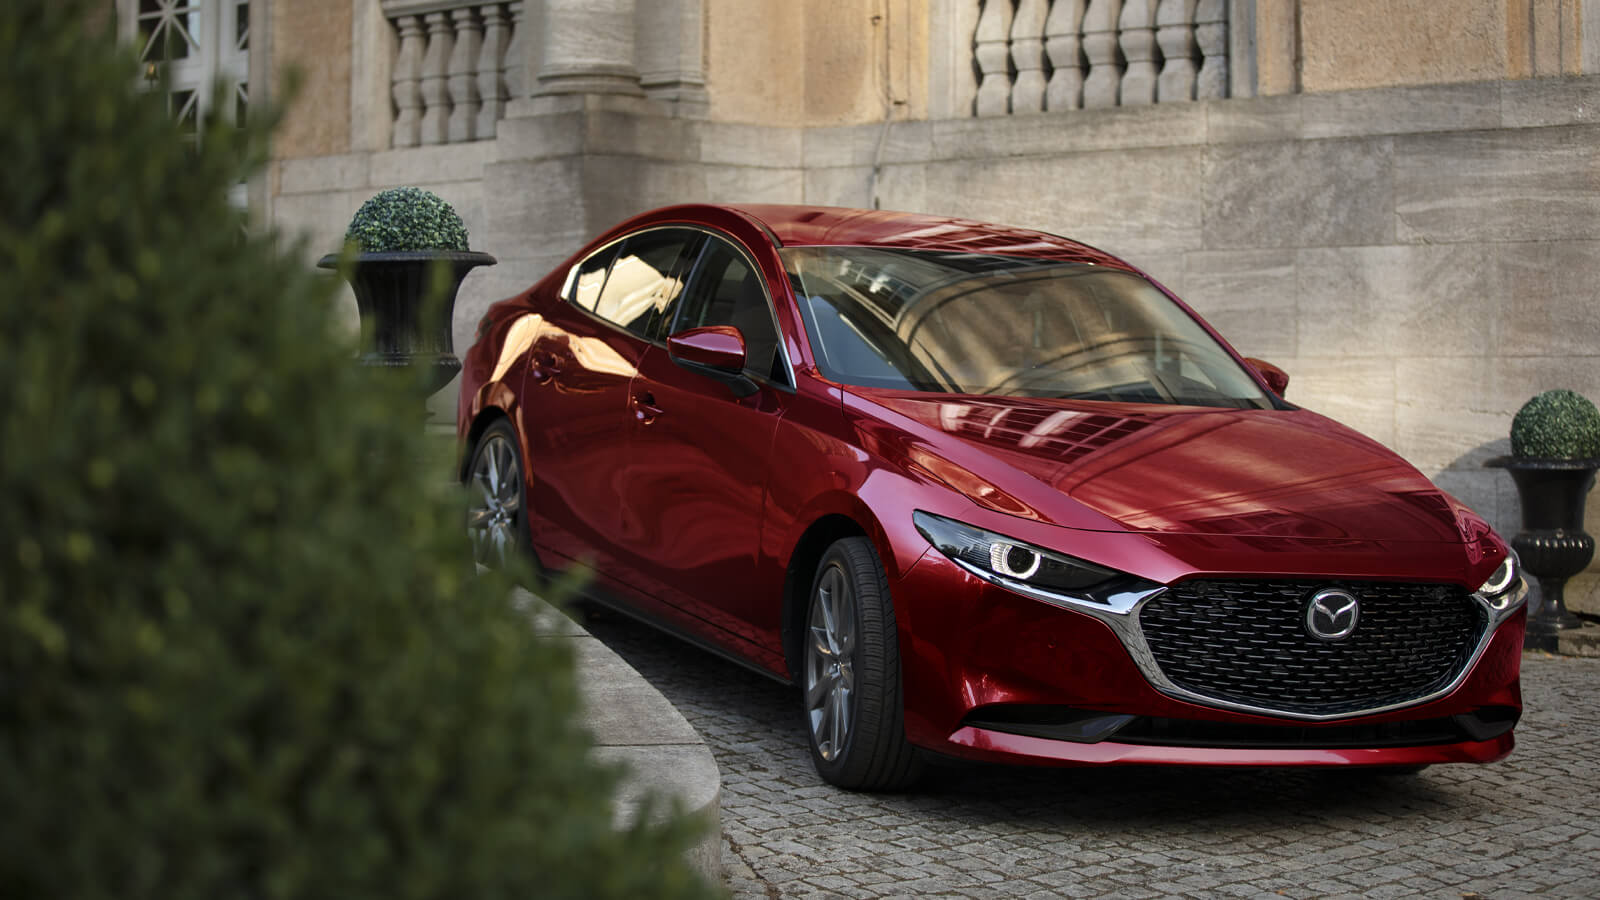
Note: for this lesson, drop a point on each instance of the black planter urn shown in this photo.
(1552, 544)
(400, 327)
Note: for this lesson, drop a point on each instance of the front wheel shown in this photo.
(853, 700)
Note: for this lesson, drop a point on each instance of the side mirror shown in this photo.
(719, 347)
(715, 351)
(1276, 378)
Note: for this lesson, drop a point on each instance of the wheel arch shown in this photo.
(493, 401)
(485, 418)
(803, 561)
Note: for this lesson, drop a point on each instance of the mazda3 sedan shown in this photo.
(980, 492)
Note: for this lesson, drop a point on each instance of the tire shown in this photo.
(850, 675)
(497, 517)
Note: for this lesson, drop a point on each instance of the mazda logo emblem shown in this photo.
(1332, 615)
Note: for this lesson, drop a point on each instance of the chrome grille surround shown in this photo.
(1123, 613)
(1245, 642)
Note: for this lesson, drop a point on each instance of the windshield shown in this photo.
(967, 323)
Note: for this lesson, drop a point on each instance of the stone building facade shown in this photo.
(1398, 201)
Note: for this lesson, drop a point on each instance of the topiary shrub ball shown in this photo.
(406, 218)
(1557, 424)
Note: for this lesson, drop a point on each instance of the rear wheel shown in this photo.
(497, 519)
(853, 701)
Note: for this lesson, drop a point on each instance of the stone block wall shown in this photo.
(1421, 260)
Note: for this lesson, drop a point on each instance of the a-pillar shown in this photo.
(588, 48)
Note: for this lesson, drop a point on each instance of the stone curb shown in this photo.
(634, 725)
(1583, 641)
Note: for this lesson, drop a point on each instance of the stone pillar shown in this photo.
(407, 83)
(1175, 35)
(1061, 41)
(588, 48)
(1027, 54)
(462, 74)
(1138, 40)
(1211, 35)
(492, 91)
(993, 54)
(1100, 46)
(435, 79)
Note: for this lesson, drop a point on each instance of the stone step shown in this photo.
(634, 725)
(1583, 641)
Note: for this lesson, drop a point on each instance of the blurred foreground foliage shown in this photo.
(241, 652)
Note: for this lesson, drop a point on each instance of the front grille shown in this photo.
(1245, 642)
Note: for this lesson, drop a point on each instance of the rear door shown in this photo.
(575, 398)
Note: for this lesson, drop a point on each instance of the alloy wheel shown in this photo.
(830, 663)
(496, 484)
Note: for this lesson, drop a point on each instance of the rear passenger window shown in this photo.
(584, 284)
(645, 280)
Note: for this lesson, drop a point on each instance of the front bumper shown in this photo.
(970, 649)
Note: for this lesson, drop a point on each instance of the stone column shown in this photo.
(1061, 42)
(669, 51)
(1027, 54)
(1100, 47)
(993, 54)
(588, 48)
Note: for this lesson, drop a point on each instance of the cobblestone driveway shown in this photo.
(1522, 827)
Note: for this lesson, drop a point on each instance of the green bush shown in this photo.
(1557, 424)
(406, 218)
(240, 653)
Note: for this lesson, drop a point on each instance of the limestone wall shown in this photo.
(1420, 260)
(838, 62)
(1369, 43)
(312, 39)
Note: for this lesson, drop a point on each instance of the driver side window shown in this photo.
(725, 289)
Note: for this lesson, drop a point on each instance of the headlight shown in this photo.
(1035, 571)
(1505, 587)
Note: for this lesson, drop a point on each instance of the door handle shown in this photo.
(644, 407)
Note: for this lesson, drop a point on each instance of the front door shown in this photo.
(695, 483)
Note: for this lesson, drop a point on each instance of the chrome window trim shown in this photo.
(1122, 617)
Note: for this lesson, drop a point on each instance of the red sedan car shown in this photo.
(981, 492)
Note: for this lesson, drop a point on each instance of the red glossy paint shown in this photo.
(1276, 378)
(693, 492)
(979, 743)
(700, 508)
(714, 346)
(1189, 470)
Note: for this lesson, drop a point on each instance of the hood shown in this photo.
(1175, 470)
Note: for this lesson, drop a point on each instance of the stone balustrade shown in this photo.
(455, 67)
(1033, 56)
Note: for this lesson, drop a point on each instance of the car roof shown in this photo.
(814, 226)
